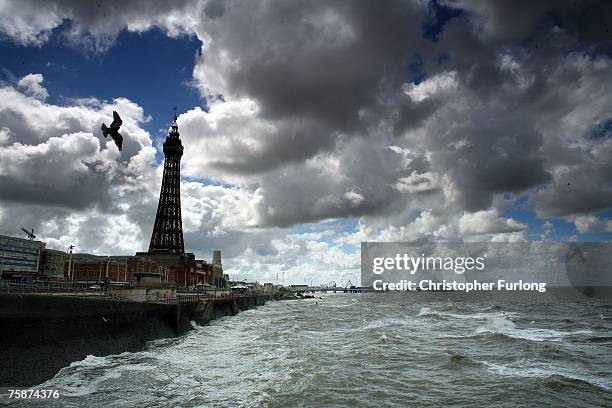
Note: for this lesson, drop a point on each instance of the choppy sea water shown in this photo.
(365, 350)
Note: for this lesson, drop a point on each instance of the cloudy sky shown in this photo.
(308, 126)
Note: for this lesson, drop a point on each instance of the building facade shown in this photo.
(218, 278)
(20, 258)
(129, 270)
(53, 264)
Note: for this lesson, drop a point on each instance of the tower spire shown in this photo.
(167, 234)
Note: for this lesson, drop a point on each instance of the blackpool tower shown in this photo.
(167, 234)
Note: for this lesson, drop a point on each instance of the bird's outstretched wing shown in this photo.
(116, 121)
(118, 140)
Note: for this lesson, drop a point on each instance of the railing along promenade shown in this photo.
(106, 292)
(63, 288)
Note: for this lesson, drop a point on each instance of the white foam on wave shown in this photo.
(502, 323)
(77, 384)
(78, 379)
(427, 311)
(527, 369)
(92, 361)
(508, 328)
(497, 324)
(386, 322)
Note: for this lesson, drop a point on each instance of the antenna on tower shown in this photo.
(30, 234)
(175, 113)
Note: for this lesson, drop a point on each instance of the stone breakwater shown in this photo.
(43, 333)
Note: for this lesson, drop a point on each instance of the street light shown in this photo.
(70, 275)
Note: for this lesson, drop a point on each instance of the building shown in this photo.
(268, 287)
(53, 264)
(211, 273)
(20, 258)
(218, 278)
(204, 272)
(181, 268)
(127, 270)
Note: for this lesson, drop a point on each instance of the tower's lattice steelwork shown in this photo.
(168, 230)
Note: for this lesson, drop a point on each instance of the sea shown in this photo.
(365, 350)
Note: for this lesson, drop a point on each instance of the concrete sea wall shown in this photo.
(40, 334)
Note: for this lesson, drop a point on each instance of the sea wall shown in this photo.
(204, 312)
(40, 334)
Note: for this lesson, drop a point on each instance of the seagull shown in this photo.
(113, 130)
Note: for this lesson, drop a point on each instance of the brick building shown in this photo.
(87, 268)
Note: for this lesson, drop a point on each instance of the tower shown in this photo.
(167, 234)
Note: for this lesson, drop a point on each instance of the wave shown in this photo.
(427, 311)
(502, 324)
(550, 372)
(341, 306)
(83, 377)
(531, 334)
(384, 323)
(599, 339)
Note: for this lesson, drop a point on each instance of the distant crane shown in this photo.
(30, 235)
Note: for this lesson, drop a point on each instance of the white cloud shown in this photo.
(218, 210)
(31, 85)
(27, 25)
(5, 135)
(590, 224)
(222, 138)
(437, 85)
(354, 197)
(417, 182)
(487, 222)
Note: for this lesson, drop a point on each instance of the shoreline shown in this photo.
(45, 333)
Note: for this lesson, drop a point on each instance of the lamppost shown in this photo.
(70, 275)
(107, 264)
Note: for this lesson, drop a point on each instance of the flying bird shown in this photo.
(113, 130)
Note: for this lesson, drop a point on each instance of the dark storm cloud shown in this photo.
(511, 67)
(214, 8)
(489, 155)
(301, 65)
(515, 21)
(17, 120)
(293, 141)
(319, 71)
(88, 192)
(580, 189)
(499, 98)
